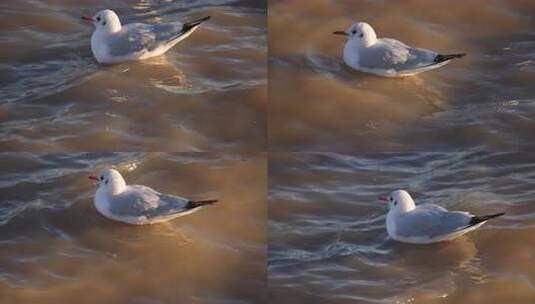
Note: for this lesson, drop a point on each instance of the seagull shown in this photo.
(136, 204)
(112, 42)
(427, 223)
(387, 57)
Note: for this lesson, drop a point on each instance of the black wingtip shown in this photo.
(205, 18)
(196, 204)
(189, 25)
(441, 58)
(478, 219)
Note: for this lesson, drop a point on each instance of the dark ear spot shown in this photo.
(106, 182)
(395, 202)
(104, 23)
(361, 35)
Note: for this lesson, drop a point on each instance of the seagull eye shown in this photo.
(98, 18)
(354, 31)
(101, 177)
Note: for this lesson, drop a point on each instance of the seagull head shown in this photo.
(399, 201)
(361, 33)
(105, 20)
(110, 181)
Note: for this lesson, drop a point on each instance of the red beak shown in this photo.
(383, 198)
(93, 178)
(86, 18)
(340, 33)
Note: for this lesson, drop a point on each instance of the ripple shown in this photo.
(327, 229)
(54, 93)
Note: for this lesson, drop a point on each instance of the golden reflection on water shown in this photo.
(160, 104)
(310, 84)
(53, 253)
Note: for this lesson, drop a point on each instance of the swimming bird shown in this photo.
(136, 204)
(387, 57)
(427, 223)
(112, 42)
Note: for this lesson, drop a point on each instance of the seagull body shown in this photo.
(137, 204)
(112, 42)
(427, 223)
(387, 57)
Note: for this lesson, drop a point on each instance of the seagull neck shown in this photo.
(114, 27)
(368, 43)
(117, 187)
(404, 207)
(110, 29)
(364, 42)
(368, 40)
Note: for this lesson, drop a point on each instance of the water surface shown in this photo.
(56, 248)
(328, 242)
(486, 99)
(206, 93)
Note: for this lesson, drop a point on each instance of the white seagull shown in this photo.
(427, 223)
(112, 42)
(387, 57)
(136, 204)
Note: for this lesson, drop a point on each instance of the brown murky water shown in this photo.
(328, 242)
(487, 99)
(56, 248)
(206, 93)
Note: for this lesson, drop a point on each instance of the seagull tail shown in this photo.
(441, 58)
(196, 204)
(189, 25)
(482, 218)
(187, 29)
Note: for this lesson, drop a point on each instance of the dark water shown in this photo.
(328, 242)
(487, 99)
(355, 137)
(206, 93)
(56, 248)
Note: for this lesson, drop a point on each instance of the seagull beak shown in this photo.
(340, 33)
(383, 198)
(86, 18)
(92, 177)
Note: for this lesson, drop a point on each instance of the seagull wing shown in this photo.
(431, 221)
(391, 54)
(138, 37)
(139, 200)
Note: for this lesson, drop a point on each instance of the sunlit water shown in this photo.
(486, 99)
(328, 242)
(206, 93)
(56, 248)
